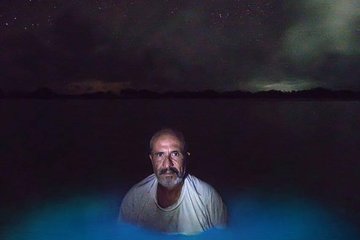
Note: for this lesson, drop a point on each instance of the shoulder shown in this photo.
(205, 192)
(134, 197)
(141, 187)
(211, 199)
(138, 191)
(202, 188)
(145, 183)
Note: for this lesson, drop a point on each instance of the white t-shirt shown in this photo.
(198, 208)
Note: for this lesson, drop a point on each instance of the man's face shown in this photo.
(168, 160)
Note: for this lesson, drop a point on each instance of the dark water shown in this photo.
(276, 153)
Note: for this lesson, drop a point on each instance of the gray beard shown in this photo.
(169, 183)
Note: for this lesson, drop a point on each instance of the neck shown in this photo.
(167, 197)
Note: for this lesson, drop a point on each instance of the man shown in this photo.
(170, 200)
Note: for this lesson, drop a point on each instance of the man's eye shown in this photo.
(175, 154)
(158, 154)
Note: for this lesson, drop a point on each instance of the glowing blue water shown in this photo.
(251, 218)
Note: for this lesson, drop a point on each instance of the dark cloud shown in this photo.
(190, 45)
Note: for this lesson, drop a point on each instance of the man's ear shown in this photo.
(150, 156)
(187, 155)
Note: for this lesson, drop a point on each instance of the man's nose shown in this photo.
(168, 161)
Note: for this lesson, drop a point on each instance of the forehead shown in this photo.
(167, 140)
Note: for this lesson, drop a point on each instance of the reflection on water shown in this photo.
(251, 218)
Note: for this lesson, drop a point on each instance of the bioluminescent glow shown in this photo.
(251, 218)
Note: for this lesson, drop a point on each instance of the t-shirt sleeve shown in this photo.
(218, 211)
(127, 208)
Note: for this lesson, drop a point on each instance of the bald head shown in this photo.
(169, 132)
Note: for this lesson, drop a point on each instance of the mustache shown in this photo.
(169, 170)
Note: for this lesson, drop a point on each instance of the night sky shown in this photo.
(75, 46)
